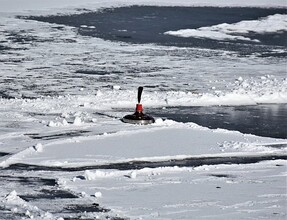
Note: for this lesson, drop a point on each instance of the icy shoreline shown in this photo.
(64, 153)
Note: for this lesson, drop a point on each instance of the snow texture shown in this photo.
(270, 24)
(72, 134)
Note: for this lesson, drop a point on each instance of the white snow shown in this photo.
(21, 207)
(79, 127)
(157, 142)
(98, 194)
(270, 24)
(38, 147)
(77, 121)
(226, 191)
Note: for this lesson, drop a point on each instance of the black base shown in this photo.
(136, 119)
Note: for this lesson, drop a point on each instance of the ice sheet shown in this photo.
(270, 24)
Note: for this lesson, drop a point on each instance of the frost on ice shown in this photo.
(79, 129)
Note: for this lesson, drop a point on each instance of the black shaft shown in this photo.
(140, 90)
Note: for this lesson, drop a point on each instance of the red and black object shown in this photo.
(138, 117)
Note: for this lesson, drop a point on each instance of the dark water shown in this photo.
(262, 120)
(146, 24)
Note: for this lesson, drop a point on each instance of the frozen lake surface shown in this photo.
(214, 78)
(147, 24)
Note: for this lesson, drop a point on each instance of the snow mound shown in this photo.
(270, 24)
(90, 175)
(20, 207)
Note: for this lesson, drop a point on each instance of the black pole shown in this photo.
(140, 90)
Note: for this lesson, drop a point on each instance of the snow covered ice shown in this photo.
(273, 23)
(66, 81)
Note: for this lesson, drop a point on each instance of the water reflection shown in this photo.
(262, 120)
